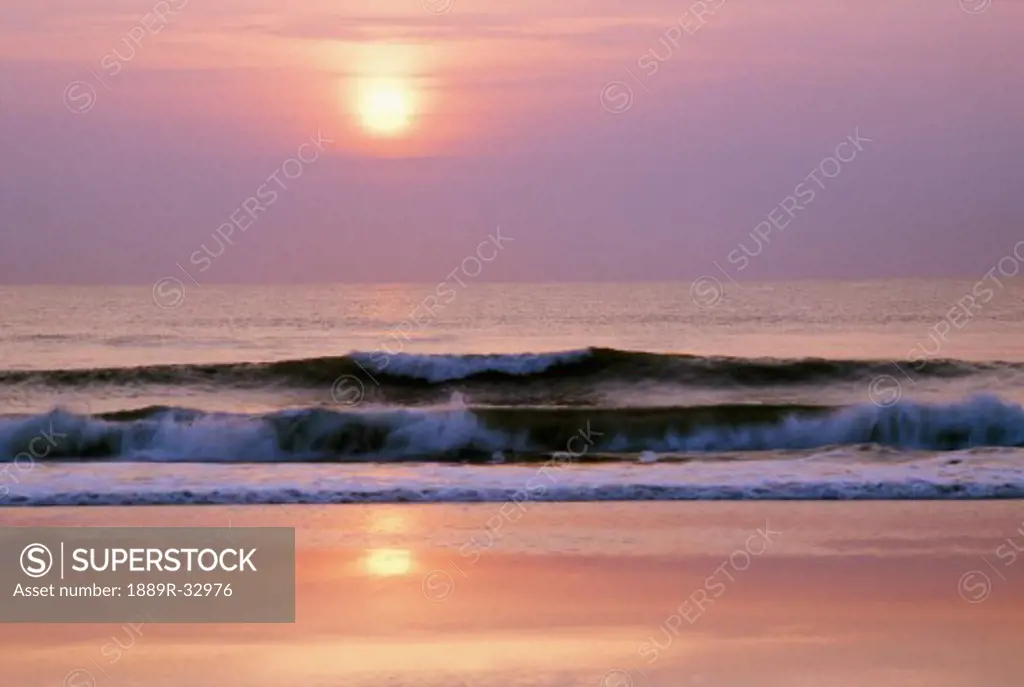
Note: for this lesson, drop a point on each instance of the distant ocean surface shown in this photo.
(512, 392)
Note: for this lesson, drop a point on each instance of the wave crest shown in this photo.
(590, 366)
(477, 434)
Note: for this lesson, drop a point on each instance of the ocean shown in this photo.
(890, 389)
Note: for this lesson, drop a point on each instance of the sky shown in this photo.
(608, 139)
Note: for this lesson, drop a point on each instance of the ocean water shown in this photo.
(468, 392)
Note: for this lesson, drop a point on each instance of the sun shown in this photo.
(385, 107)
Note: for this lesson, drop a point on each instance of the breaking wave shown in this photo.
(586, 366)
(520, 434)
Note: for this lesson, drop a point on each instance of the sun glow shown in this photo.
(387, 562)
(385, 106)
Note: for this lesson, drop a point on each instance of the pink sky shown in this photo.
(504, 125)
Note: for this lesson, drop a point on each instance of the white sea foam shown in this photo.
(978, 421)
(445, 368)
(454, 431)
(837, 474)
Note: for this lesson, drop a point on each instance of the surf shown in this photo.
(589, 366)
(459, 433)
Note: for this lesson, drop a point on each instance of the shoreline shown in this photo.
(835, 474)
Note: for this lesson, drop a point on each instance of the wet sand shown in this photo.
(611, 595)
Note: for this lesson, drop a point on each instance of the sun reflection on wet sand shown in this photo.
(819, 608)
(387, 562)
